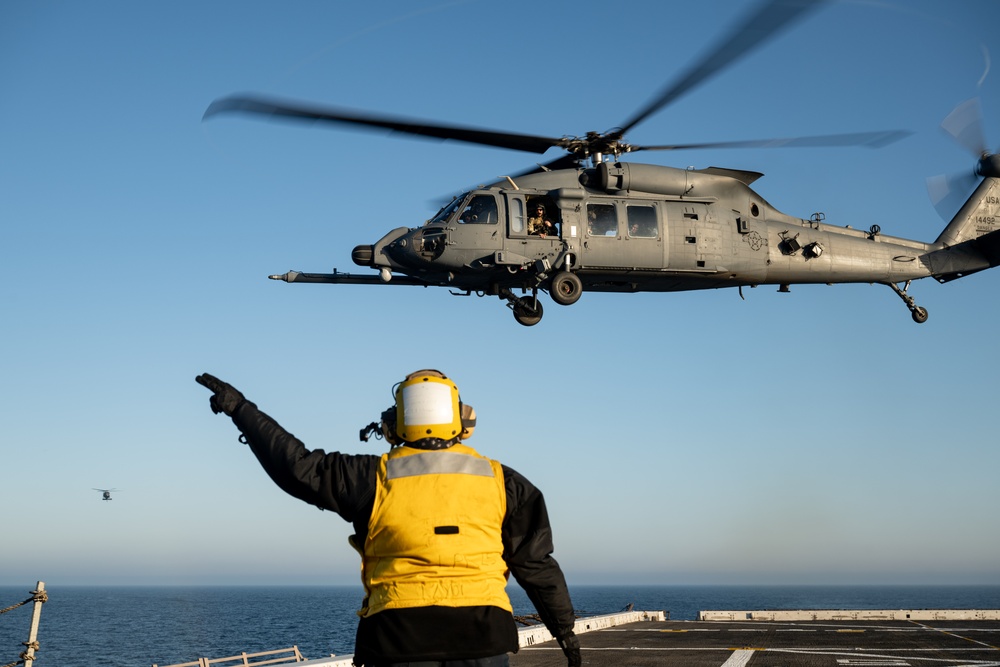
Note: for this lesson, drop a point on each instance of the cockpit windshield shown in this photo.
(447, 211)
(478, 209)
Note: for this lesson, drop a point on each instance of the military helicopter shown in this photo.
(590, 222)
(106, 493)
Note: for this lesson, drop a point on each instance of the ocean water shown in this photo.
(140, 626)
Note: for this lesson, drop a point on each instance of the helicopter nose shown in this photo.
(363, 254)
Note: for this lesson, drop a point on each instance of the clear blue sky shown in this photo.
(813, 437)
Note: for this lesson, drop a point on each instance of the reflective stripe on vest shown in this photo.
(437, 463)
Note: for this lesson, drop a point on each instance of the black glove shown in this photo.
(570, 645)
(225, 397)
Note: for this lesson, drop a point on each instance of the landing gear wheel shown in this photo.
(528, 311)
(566, 288)
(918, 313)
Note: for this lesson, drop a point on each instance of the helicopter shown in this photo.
(589, 221)
(106, 493)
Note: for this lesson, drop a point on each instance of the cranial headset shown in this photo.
(428, 413)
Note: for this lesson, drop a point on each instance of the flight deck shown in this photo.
(779, 638)
(806, 639)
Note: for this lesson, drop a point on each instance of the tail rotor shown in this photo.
(965, 125)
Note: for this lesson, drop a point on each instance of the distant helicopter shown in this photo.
(106, 493)
(587, 221)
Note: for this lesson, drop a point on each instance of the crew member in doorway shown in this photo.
(538, 223)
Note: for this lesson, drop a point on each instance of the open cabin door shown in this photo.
(523, 243)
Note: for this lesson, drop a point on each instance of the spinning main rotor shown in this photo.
(765, 23)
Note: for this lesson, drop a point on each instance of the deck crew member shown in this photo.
(438, 527)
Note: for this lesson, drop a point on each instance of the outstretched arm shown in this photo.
(342, 483)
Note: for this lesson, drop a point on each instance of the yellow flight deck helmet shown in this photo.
(428, 407)
(428, 413)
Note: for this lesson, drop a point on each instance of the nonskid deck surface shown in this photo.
(880, 643)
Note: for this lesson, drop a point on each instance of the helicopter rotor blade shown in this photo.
(949, 191)
(270, 107)
(767, 22)
(562, 162)
(965, 125)
(867, 139)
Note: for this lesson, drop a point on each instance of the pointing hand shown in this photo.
(225, 398)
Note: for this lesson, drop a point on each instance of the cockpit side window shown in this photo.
(480, 210)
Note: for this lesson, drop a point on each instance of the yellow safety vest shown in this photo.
(434, 534)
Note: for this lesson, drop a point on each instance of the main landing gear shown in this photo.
(918, 313)
(566, 288)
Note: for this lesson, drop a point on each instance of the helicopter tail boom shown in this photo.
(971, 241)
(966, 258)
(981, 213)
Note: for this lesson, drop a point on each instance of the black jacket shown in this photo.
(345, 484)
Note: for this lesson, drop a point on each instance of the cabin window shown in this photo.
(480, 210)
(642, 222)
(516, 208)
(602, 220)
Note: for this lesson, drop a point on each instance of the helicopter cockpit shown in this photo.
(478, 209)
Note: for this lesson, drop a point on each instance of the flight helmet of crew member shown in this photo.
(428, 414)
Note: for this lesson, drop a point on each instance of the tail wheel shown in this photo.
(528, 311)
(566, 288)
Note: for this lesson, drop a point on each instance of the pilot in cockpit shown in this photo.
(481, 210)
